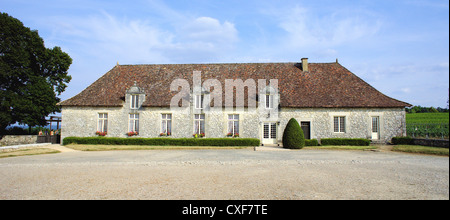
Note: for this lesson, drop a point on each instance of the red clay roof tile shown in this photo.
(325, 85)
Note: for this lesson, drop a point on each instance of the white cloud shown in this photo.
(96, 42)
(306, 29)
(143, 41)
(210, 30)
(409, 82)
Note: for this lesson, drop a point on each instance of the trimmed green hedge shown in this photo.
(312, 142)
(345, 141)
(162, 141)
(402, 140)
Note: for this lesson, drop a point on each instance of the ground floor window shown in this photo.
(102, 122)
(134, 123)
(339, 124)
(233, 125)
(166, 124)
(199, 124)
(270, 131)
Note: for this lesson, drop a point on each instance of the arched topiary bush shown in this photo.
(293, 137)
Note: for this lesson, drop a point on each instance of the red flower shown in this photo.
(99, 133)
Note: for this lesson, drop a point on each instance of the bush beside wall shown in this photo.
(345, 141)
(312, 142)
(163, 141)
(402, 140)
(293, 137)
(420, 141)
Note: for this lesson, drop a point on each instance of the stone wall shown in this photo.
(83, 122)
(11, 140)
(358, 122)
(431, 142)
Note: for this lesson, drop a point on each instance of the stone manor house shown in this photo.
(326, 99)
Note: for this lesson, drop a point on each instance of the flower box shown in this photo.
(236, 135)
(100, 133)
(132, 133)
(201, 135)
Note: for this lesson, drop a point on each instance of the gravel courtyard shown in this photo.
(225, 174)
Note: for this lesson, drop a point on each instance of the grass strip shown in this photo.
(26, 152)
(421, 149)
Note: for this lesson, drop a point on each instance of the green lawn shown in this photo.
(342, 147)
(421, 149)
(26, 152)
(83, 147)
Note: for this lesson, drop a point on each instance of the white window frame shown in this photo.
(102, 125)
(199, 101)
(199, 119)
(133, 123)
(341, 124)
(134, 101)
(233, 124)
(166, 119)
(269, 99)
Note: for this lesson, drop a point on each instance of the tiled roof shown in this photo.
(325, 85)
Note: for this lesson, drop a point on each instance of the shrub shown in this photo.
(345, 141)
(402, 140)
(312, 142)
(162, 141)
(293, 137)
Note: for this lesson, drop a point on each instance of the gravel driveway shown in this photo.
(225, 174)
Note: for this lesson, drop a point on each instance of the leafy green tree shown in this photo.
(293, 137)
(31, 75)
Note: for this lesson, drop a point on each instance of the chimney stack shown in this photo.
(305, 64)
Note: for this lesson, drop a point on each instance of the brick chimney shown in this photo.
(305, 64)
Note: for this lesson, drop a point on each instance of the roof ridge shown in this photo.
(166, 64)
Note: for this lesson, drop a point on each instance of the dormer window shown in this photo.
(269, 98)
(134, 102)
(269, 101)
(199, 101)
(135, 96)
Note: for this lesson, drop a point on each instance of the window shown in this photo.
(134, 101)
(375, 124)
(199, 101)
(339, 124)
(269, 101)
(270, 131)
(199, 124)
(166, 124)
(102, 122)
(233, 125)
(134, 123)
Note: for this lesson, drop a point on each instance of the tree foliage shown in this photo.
(31, 75)
(420, 109)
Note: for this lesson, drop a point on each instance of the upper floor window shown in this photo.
(269, 101)
(134, 101)
(199, 101)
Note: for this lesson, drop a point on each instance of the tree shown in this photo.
(31, 75)
(293, 137)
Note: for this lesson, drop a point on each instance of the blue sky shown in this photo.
(399, 47)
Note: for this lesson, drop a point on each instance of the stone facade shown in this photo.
(83, 122)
